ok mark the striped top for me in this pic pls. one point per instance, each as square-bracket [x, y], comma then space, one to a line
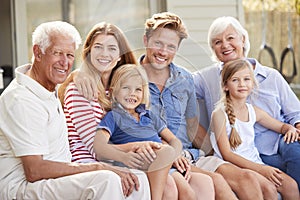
[82, 118]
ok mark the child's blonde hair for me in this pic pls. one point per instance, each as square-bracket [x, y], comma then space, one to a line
[229, 69]
[125, 72]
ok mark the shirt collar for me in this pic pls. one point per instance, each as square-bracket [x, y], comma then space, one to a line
[33, 85]
[174, 73]
[141, 109]
[259, 68]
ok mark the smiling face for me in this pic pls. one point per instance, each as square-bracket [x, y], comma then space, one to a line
[228, 45]
[55, 65]
[161, 47]
[130, 93]
[240, 84]
[105, 53]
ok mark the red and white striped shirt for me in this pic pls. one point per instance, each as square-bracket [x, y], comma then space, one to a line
[82, 118]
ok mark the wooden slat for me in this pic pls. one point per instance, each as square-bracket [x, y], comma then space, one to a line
[185, 3]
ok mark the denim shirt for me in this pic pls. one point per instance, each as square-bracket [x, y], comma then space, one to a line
[176, 103]
[274, 96]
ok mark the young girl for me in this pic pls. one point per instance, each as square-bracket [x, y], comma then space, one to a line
[233, 132]
[130, 122]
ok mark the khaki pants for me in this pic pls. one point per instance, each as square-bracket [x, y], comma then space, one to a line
[98, 185]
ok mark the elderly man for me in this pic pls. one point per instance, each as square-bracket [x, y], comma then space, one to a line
[34, 151]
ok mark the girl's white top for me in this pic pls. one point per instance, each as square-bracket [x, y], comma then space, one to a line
[246, 131]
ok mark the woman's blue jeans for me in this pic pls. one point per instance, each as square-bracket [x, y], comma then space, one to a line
[287, 159]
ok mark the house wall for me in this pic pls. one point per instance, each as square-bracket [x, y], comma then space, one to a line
[197, 16]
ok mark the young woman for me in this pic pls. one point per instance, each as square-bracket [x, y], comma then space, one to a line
[233, 129]
[130, 121]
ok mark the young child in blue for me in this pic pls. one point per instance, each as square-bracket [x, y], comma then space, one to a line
[131, 123]
[233, 130]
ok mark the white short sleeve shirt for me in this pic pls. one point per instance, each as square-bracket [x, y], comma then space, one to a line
[31, 123]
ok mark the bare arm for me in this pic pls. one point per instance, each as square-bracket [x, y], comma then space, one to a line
[180, 163]
[36, 168]
[291, 134]
[202, 140]
[172, 140]
[198, 135]
[107, 151]
[86, 85]
[192, 128]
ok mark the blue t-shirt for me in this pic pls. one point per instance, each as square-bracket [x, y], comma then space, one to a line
[124, 128]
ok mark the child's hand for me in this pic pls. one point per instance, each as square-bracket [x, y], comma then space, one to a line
[183, 166]
[291, 134]
[272, 174]
[147, 150]
[133, 160]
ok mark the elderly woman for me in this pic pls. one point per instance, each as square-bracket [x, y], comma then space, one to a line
[228, 40]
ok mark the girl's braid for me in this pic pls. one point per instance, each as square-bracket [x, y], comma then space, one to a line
[234, 138]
